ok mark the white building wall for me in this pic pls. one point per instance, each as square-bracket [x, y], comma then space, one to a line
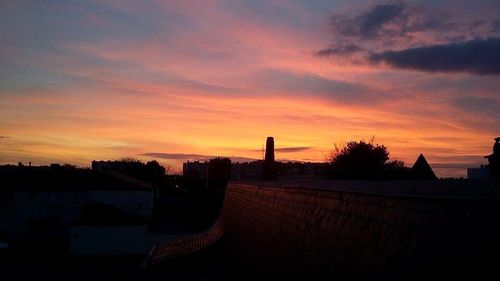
[478, 173]
[135, 202]
[113, 240]
[26, 205]
[65, 206]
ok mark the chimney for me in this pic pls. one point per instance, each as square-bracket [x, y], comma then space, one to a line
[269, 171]
[269, 149]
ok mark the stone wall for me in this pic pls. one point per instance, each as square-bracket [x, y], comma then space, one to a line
[307, 233]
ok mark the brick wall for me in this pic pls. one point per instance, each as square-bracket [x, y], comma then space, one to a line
[304, 233]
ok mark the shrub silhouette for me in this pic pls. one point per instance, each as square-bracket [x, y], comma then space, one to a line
[364, 160]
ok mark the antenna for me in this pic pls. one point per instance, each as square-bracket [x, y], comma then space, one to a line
[262, 152]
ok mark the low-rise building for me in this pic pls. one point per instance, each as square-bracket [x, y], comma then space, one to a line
[483, 172]
[39, 204]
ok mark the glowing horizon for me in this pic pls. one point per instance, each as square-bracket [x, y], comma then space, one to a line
[113, 79]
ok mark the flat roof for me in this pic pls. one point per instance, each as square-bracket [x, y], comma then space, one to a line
[44, 178]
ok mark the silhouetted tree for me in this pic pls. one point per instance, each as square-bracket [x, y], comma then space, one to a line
[364, 160]
[396, 170]
[151, 171]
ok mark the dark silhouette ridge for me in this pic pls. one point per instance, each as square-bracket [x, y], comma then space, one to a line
[421, 170]
[219, 172]
[150, 172]
[65, 178]
[97, 213]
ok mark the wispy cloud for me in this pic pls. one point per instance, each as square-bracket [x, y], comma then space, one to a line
[310, 85]
[290, 149]
[341, 50]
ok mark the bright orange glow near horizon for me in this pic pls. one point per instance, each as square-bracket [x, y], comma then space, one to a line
[183, 81]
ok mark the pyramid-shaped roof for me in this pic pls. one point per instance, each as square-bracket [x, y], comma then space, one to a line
[421, 170]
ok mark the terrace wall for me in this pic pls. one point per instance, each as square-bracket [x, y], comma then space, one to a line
[303, 233]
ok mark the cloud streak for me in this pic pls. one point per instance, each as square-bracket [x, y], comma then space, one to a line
[304, 84]
[339, 50]
[292, 149]
[289, 149]
[479, 56]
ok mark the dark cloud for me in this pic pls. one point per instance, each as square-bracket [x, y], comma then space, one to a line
[478, 56]
[385, 19]
[390, 21]
[400, 25]
[372, 22]
[4, 137]
[193, 157]
[292, 149]
[339, 50]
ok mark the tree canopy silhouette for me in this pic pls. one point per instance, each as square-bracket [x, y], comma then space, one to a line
[364, 160]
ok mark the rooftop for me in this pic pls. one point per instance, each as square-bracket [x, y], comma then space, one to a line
[60, 178]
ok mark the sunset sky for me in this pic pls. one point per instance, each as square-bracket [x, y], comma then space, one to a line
[187, 80]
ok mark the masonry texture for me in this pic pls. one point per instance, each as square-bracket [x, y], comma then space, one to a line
[298, 232]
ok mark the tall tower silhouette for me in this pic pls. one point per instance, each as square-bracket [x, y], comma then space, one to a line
[269, 171]
[269, 149]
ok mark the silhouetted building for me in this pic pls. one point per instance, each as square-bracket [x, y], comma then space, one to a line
[150, 172]
[107, 230]
[483, 172]
[421, 170]
[490, 170]
[301, 170]
[219, 172]
[195, 174]
[270, 169]
[206, 175]
[41, 204]
[494, 159]
[269, 150]
[247, 170]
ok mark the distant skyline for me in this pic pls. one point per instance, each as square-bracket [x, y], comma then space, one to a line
[173, 80]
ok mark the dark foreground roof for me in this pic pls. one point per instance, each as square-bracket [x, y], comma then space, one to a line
[96, 213]
[65, 179]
